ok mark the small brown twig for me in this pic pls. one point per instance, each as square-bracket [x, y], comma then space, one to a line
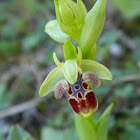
[21, 107]
[127, 78]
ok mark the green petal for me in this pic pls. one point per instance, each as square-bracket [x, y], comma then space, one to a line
[57, 62]
[49, 83]
[54, 31]
[70, 70]
[93, 26]
[69, 51]
[100, 70]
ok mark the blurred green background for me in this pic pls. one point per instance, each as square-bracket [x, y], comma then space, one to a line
[26, 59]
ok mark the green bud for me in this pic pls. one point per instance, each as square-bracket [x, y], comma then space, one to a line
[70, 17]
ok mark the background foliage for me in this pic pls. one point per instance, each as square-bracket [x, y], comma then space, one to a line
[26, 58]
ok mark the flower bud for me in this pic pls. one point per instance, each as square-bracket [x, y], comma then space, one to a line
[70, 16]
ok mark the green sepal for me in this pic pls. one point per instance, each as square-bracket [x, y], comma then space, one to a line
[85, 128]
[103, 123]
[52, 28]
[93, 26]
[100, 70]
[69, 51]
[70, 70]
[49, 83]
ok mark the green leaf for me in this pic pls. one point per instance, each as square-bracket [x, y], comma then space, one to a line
[17, 133]
[136, 55]
[92, 27]
[1, 135]
[100, 70]
[49, 133]
[49, 83]
[53, 30]
[102, 124]
[3, 96]
[25, 138]
[130, 9]
[85, 128]
[70, 70]
[69, 51]
[92, 53]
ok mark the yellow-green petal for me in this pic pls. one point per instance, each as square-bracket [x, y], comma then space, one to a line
[57, 62]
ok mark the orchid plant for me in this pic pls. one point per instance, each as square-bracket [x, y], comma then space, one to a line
[80, 72]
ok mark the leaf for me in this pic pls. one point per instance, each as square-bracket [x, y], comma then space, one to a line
[17, 133]
[130, 9]
[102, 124]
[92, 27]
[69, 51]
[136, 55]
[3, 96]
[92, 53]
[49, 133]
[1, 135]
[53, 30]
[70, 70]
[25, 138]
[49, 83]
[85, 128]
[100, 70]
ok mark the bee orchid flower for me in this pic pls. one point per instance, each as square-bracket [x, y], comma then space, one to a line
[75, 77]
